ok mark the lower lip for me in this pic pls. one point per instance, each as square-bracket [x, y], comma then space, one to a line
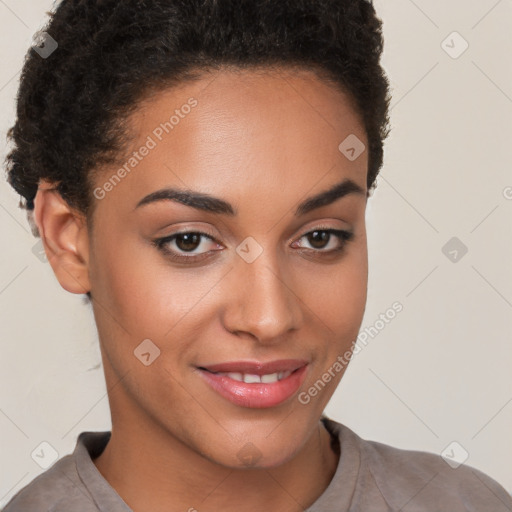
[258, 395]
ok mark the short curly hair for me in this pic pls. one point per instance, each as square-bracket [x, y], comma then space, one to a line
[112, 54]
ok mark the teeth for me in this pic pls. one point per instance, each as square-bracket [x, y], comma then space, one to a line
[272, 377]
[250, 378]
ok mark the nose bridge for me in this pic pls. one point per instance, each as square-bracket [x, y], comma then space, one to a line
[263, 303]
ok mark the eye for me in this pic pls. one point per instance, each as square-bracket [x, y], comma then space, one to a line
[194, 243]
[327, 240]
[192, 246]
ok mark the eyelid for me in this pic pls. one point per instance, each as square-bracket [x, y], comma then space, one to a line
[161, 244]
[343, 235]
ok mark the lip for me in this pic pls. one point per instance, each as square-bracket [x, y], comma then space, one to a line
[256, 395]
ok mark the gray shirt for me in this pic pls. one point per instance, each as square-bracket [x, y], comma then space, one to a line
[370, 477]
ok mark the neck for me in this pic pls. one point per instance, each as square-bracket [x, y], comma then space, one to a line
[157, 472]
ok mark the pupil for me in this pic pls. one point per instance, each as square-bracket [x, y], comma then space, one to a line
[188, 241]
[318, 238]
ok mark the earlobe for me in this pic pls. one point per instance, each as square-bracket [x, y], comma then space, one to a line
[64, 234]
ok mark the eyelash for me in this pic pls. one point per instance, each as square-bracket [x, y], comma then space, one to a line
[161, 243]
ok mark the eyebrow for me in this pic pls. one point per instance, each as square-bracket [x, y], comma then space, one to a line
[216, 205]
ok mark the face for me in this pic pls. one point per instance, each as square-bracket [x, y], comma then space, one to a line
[243, 276]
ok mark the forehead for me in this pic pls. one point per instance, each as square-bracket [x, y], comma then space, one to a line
[235, 131]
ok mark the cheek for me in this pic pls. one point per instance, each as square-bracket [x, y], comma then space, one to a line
[340, 306]
[338, 294]
[143, 295]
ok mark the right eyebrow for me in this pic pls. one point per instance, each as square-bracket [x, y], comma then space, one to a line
[194, 199]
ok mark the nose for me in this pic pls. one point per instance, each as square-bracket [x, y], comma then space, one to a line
[261, 301]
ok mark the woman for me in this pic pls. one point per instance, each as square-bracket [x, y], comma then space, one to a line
[200, 169]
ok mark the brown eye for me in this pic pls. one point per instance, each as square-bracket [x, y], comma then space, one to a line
[326, 240]
[319, 239]
[195, 246]
[198, 245]
[188, 241]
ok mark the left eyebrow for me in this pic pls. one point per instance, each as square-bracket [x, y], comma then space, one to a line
[212, 204]
[329, 196]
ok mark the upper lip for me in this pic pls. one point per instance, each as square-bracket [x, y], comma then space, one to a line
[256, 367]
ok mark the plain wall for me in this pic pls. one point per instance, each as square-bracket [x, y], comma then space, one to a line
[439, 371]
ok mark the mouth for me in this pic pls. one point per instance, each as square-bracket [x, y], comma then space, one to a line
[256, 385]
[251, 378]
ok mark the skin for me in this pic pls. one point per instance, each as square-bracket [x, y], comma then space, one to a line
[263, 141]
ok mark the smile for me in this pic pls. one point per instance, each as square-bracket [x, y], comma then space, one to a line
[256, 385]
[249, 378]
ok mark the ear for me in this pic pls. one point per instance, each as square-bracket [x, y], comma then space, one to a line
[64, 234]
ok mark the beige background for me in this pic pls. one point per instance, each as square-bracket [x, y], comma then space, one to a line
[440, 370]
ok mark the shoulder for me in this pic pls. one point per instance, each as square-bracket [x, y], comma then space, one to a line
[420, 481]
[58, 488]
[426, 480]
